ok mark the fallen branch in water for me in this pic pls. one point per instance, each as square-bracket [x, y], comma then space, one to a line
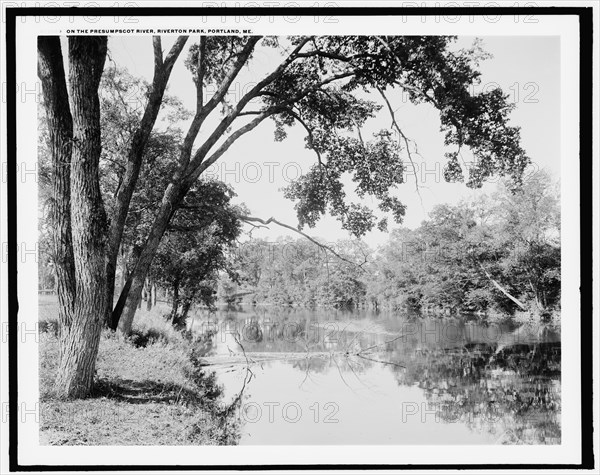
[379, 361]
[381, 344]
[258, 358]
[229, 361]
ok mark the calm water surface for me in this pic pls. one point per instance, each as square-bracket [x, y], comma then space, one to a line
[340, 377]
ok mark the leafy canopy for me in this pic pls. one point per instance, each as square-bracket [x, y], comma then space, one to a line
[323, 85]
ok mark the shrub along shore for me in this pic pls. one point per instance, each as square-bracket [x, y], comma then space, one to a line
[150, 390]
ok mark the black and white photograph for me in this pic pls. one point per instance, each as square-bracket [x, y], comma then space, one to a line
[314, 237]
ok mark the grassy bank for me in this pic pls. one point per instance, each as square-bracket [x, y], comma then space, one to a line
[150, 390]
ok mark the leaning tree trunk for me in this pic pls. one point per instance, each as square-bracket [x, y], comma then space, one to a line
[88, 220]
[139, 140]
[122, 316]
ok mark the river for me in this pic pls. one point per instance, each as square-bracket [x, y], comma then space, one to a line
[358, 377]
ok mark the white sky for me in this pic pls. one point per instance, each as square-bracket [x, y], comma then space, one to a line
[257, 167]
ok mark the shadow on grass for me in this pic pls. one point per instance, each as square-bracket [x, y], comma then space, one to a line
[146, 392]
[143, 392]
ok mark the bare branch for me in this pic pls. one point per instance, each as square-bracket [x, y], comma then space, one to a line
[399, 130]
[230, 76]
[252, 219]
[310, 135]
[380, 361]
[360, 137]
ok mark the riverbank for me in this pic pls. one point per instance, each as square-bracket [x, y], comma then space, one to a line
[531, 316]
[154, 393]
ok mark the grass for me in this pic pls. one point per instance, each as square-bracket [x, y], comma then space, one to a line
[150, 390]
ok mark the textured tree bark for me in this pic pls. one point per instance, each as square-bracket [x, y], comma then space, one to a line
[60, 127]
[88, 220]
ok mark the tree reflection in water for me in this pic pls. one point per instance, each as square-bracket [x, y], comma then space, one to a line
[507, 387]
[514, 393]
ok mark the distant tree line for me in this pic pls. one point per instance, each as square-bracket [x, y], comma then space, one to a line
[497, 253]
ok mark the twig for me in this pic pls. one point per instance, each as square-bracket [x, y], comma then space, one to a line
[252, 219]
[399, 130]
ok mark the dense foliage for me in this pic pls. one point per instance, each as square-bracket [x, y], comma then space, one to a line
[196, 248]
[458, 260]
[464, 254]
[295, 272]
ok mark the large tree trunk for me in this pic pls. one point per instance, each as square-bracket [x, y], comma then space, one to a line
[60, 128]
[88, 220]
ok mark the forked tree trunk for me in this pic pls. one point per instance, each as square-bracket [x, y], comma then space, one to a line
[122, 315]
[79, 344]
[139, 140]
